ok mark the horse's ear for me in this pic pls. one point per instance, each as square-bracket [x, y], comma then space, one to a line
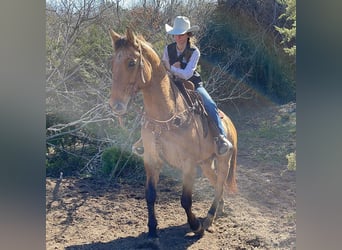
[115, 36]
[131, 36]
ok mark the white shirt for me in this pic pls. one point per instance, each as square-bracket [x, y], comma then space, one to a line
[190, 67]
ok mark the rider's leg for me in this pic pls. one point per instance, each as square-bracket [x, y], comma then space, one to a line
[223, 145]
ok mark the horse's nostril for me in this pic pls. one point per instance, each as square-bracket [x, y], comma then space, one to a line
[118, 107]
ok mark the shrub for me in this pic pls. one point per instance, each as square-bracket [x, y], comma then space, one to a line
[119, 163]
[291, 161]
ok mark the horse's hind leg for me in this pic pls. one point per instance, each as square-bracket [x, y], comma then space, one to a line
[209, 172]
[221, 176]
[186, 201]
[220, 209]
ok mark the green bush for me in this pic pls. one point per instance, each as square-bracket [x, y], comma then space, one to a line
[68, 155]
[291, 161]
[63, 162]
[119, 163]
[262, 62]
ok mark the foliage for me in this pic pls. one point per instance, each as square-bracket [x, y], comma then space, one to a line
[242, 34]
[291, 161]
[288, 30]
[68, 155]
[119, 163]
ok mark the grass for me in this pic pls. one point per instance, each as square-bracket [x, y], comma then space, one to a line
[271, 140]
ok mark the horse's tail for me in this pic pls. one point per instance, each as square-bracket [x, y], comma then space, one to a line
[231, 185]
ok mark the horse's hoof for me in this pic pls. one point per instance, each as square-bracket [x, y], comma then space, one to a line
[208, 221]
[192, 235]
[211, 229]
[199, 231]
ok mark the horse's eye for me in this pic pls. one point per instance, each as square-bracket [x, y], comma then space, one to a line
[132, 63]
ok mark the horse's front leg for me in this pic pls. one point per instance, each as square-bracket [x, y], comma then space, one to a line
[186, 201]
[152, 177]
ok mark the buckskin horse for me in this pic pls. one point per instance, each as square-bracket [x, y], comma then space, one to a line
[171, 132]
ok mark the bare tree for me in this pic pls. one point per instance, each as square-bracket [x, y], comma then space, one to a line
[78, 70]
[78, 76]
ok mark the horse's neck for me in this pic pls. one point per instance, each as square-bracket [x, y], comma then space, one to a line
[160, 99]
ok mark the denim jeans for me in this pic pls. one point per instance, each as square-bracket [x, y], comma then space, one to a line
[211, 108]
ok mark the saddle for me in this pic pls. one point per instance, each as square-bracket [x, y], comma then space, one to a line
[194, 100]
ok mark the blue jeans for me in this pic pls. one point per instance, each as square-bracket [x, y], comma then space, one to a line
[211, 108]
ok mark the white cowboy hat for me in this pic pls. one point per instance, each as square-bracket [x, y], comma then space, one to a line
[181, 25]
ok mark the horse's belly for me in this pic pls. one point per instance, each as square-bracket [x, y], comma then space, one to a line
[178, 151]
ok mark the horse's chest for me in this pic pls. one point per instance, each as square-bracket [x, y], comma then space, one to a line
[176, 147]
[174, 141]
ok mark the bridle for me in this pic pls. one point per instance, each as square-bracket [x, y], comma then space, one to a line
[141, 64]
[134, 85]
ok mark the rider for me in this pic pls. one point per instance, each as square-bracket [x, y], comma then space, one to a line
[181, 58]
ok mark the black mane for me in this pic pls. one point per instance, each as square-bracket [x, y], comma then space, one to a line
[122, 43]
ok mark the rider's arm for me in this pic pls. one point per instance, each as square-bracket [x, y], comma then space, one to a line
[190, 67]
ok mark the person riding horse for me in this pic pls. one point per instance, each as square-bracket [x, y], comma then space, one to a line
[181, 58]
[169, 130]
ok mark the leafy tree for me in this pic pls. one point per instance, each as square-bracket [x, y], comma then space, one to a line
[288, 30]
[242, 35]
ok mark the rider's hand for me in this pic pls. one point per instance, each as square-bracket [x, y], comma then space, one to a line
[177, 65]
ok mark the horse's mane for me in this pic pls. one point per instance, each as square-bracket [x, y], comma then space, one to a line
[123, 42]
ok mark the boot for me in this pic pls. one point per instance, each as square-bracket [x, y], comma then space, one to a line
[223, 145]
[138, 148]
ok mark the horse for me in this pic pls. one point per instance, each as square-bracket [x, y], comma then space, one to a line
[170, 130]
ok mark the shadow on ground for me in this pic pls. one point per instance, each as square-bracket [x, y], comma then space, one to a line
[174, 237]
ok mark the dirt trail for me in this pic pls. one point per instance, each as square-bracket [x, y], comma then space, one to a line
[91, 214]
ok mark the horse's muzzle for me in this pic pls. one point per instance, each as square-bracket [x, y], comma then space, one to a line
[118, 108]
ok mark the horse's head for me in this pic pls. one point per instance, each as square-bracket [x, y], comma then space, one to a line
[130, 70]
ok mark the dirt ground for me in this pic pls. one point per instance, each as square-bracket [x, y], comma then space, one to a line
[91, 213]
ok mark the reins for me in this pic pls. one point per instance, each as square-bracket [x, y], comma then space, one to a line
[175, 121]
